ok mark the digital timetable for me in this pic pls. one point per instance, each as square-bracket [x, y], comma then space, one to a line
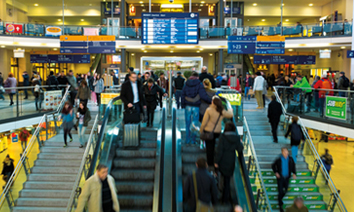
[170, 28]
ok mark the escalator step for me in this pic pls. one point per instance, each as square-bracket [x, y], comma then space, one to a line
[141, 153]
[135, 201]
[127, 174]
[135, 163]
[128, 187]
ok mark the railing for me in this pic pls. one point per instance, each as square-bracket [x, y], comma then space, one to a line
[331, 194]
[31, 106]
[84, 166]
[47, 127]
[262, 200]
[329, 29]
[306, 103]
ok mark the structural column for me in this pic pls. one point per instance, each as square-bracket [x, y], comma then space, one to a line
[124, 61]
[221, 61]
[5, 61]
[122, 13]
[352, 60]
[3, 10]
[221, 14]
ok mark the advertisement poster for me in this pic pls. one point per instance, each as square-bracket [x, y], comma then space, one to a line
[233, 98]
[14, 28]
[53, 31]
[1, 27]
[52, 99]
[91, 31]
[106, 97]
[336, 107]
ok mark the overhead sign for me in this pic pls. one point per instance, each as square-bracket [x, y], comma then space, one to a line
[170, 28]
[104, 44]
[270, 45]
[257, 59]
[336, 107]
[73, 44]
[326, 53]
[14, 28]
[20, 53]
[282, 59]
[53, 31]
[350, 54]
[60, 58]
[241, 44]
[39, 58]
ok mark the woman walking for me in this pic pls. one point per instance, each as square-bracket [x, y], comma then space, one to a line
[67, 115]
[99, 87]
[38, 92]
[225, 157]
[83, 118]
[11, 82]
[211, 125]
[84, 92]
[8, 168]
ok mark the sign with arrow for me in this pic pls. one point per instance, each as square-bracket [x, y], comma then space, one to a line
[14, 28]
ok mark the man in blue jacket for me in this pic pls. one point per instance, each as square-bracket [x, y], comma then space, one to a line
[192, 89]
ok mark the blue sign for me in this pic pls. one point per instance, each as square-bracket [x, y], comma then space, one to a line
[170, 28]
[81, 58]
[241, 44]
[236, 10]
[276, 59]
[257, 59]
[306, 60]
[280, 59]
[271, 44]
[270, 51]
[101, 47]
[54, 58]
[39, 58]
[73, 47]
[350, 54]
[270, 47]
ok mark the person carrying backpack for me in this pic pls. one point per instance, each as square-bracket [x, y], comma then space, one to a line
[296, 136]
[324, 83]
[343, 84]
[24, 135]
[327, 160]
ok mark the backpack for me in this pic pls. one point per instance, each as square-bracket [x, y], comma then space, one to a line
[24, 135]
[326, 84]
[346, 82]
[328, 159]
[296, 133]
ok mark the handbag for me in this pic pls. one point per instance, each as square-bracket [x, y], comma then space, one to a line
[201, 206]
[209, 135]
[131, 115]
[250, 92]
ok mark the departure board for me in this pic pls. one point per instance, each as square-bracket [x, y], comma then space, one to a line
[170, 28]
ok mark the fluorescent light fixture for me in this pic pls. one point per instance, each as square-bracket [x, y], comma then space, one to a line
[342, 47]
[203, 2]
[210, 54]
[145, 51]
[133, 54]
[2, 46]
[171, 51]
[141, 2]
[142, 5]
[90, 4]
[55, 49]
[310, 4]
[202, 5]
[263, 20]
[286, 19]
[283, 5]
[251, 58]
[199, 9]
[198, 51]
[254, 4]
[171, 5]
[143, 10]
[290, 50]
[36, 5]
[82, 20]
[185, 47]
[59, 20]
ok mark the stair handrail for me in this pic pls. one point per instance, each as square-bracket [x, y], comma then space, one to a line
[253, 152]
[82, 166]
[28, 149]
[316, 155]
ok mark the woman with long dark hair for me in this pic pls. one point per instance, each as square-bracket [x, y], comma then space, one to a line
[67, 115]
[211, 124]
[83, 118]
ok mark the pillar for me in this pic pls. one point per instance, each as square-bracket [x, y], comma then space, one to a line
[122, 13]
[352, 59]
[3, 10]
[221, 61]
[5, 61]
[221, 13]
[124, 61]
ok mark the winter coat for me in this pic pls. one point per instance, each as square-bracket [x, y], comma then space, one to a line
[192, 88]
[11, 82]
[277, 168]
[210, 118]
[127, 95]
[8, 168]
[293, 141]
[204, 105]
[25, 80]
[205, 75]
[99, 85]
[179, 83]
[52, 82]
[92, 195]
[87, 117]
[274, 111]
[62, 80]
[151, 95]
[83, 93]
[258, 83]
[225, 156]
[73, 83]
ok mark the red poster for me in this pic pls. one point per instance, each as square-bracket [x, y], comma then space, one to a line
[14, 28]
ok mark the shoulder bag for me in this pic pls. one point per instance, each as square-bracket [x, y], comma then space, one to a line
[200, 206]
[209, 135]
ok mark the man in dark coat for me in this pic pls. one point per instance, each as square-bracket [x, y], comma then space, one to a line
[132, 93]
[25, 83]
[283, 167]
[52, 82]
[131, 70]
[205, 74]
[274, 113]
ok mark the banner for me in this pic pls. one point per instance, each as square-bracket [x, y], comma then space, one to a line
[336, 107]
[52, 99]
[53, 31]
[91, 31]
[106, 97]
[14, 28]
[233, 98]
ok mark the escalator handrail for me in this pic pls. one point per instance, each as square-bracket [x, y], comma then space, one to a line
[251, 145]
[174, 161]
[313, 89]
[101, 136]
[82, 166]
[317, 156]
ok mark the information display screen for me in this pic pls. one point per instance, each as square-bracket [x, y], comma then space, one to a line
[170, 28]
[241, 44]
[61, 58]
[280, 59]
[39, 58]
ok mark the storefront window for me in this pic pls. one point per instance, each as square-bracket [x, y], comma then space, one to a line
[167, 63]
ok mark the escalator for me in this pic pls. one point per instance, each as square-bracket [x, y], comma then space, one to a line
[96, 65]
[184, 163]
[247, 64]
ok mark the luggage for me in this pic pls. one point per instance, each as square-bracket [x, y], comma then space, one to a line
[131, 136]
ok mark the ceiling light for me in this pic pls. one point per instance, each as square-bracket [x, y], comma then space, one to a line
[283, 5]
[203, 2]
[104, 0]
[141, 2]
[199, 9]
[201, 49]
[251, 58]
[171, 51]
[145, 51]
[142, 5]
[55, 49]
[290, 50]
[343, 47]
[198, 51]
[82, 20]
[263, 20]
[93, 57]
[36, 5]
[171, 5]
[59, 20]
[133, 54]
[286, 19]
[310, 4]
[2, 46]
[210, 54]
[202, 5]
[254, 4]
[143, 10]
[90, 4]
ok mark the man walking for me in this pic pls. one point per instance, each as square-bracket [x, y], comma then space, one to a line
[163, 83]
[52, 82]
[324, 83]
[343, 84]
[274, 113]
[73, 87]
[205, 74]
[200, 186]
[99, 192]
[248, 85]
[25, 83]
[178, 84]
[63, 81]
[258, 89]
[132, 93]
[283, 166]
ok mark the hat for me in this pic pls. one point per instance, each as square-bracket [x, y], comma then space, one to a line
[179, 72]
[248, 73]
[342, 72]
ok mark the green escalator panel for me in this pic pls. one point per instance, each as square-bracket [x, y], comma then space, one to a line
[316, 197]
[295, 189]
[271, 173]
[274, 181]
[318, 206]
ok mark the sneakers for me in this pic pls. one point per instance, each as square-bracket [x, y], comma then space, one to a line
[65, 145]
[81, 146]
[71, 140]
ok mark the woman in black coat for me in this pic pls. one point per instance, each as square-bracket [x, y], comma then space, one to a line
[8, 168]
[150, 90]
[225, 157]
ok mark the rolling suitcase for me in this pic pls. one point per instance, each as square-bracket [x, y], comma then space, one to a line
[131, 135]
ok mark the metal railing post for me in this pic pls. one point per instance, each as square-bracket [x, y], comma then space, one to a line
[249, 163]
[24, 165]
[17, 105]
[55, 124]
[46, 128]
[10, 200]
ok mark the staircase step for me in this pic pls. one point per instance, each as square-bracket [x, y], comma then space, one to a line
[311, 205]
[129, 201]
[128, 174]
[269, 172]
[58, 163]
[53, 177]
[35, 193]
[267, 165]
[274, 181]
[192, 149]
[140, 153]
[55, 170]
[127, 187]
[135, 163]
[192, 158]
[61, 143]
[68, 150]
[292, 195]
[39, 209]
[42, 202]
[49, 185]
[60, 156]
[294, 188]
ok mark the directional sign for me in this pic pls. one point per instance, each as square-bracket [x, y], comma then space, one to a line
[283, 59]
[270, 45]
[350, 54]
[241, 44]
[73, 44]
[257, 59]
[104, 44]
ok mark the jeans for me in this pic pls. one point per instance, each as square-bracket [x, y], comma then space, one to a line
[283, 184]
[11, 95]
[178, 96]
[322, 102]
[38, 102]
[24, 145]
[297, 97]
[246, 92]
[98, 98]
[84, 101]
[294, 150]
[72, 97]
[66, 133]
[274, 126]
[309, 100]
[317, 99]
[81, 134]
[226, 190]
[191, 116]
